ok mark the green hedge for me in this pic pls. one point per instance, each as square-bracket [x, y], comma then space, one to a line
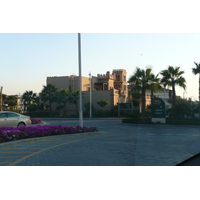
[193, 121]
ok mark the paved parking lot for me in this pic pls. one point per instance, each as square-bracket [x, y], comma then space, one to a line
[116, 144]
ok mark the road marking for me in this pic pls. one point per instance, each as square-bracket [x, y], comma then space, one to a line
[10, 156]
[21, 144]
[32, 142]
[51, 147]
[32, 145]
[17, 152]
[25, 147]
[35, 153]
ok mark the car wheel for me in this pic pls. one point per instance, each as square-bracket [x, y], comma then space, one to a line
[21, 124]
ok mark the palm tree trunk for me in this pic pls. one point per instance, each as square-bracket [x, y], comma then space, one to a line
[151, 100]
[143, 104]
[151, 96]
[50, 106]
[76, 106]
[65, 108]
[174, 95]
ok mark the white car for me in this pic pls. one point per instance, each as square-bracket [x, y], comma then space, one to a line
[13, 119]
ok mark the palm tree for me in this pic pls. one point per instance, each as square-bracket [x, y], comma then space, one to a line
[142, 80]
[63, 97]
[196, 71]
[154, 85]
[28, 98]
[11, 101]
[48, 94]
[136, 95]
[103, 103]
[74, 97]
[172, 77]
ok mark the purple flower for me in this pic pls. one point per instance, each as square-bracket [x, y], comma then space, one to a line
[14, 133]
[36, 121]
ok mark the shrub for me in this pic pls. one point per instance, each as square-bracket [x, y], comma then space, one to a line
[36, 121]
[16, 133]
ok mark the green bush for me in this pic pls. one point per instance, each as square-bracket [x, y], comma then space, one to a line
[134, 118]
[16, 111]
[192, 121]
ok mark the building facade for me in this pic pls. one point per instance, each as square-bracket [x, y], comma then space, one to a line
[110, 87]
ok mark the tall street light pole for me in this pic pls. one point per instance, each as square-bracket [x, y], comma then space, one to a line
[80, 82]
[90, 95]
[1, 104]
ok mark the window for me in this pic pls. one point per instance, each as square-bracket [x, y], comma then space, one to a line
[117, 77]
[12, 115]
[3, 115]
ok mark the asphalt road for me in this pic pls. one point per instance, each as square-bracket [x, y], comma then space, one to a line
[116, 144]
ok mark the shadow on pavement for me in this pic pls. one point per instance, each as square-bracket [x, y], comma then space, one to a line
[193, 161]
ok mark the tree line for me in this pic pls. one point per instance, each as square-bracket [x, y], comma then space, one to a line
[31, 102]
[50, 94]
[144, 80]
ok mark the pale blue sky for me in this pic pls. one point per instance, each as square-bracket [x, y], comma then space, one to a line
[26, 59]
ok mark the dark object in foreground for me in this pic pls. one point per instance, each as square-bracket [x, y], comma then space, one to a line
[193, 161]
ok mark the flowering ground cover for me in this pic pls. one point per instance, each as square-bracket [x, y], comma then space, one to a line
[36, 121]
[17, 133]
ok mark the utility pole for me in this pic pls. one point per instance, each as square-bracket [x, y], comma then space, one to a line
[90, 95]
[80, 82]
[1, 101]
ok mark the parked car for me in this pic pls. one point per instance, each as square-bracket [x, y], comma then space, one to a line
[13, 119]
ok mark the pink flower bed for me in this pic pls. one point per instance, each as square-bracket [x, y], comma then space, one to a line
[36, 121]
[17, 133]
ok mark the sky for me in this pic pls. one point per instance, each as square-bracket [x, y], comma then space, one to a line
[39, 39]
[27, 59]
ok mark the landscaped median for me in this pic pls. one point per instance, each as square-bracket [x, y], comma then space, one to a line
[17, 133]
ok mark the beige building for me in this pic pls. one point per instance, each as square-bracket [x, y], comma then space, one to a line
[69, 82]
[110, 87]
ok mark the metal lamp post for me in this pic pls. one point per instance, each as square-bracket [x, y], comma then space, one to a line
[1, 101]
[80, 83]
[90, 95]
